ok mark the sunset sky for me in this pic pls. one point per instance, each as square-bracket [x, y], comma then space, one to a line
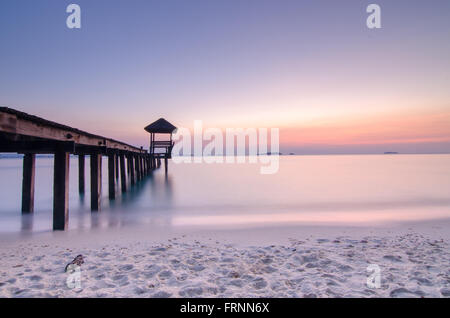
[311, 68]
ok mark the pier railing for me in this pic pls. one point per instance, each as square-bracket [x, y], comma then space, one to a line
[30, 135]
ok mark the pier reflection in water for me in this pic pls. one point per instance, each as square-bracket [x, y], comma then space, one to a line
[147, 201]
[329, 190]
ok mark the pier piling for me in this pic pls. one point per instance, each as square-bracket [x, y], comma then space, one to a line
[61, 190]
[29, 165]
[123, 177]
[138, 168]
[96, 181]
[81, 174]
[111, 176]
[132, 169]
[116, 159]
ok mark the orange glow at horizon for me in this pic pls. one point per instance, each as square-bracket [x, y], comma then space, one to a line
[349, 128]
[378, 129]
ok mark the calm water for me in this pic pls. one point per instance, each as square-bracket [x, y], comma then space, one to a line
[307, 189]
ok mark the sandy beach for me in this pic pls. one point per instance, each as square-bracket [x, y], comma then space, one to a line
[224, 149]
[297, 261]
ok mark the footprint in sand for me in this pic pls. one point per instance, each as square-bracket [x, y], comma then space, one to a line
[126, 267]
[445, 292]
[259, 283]
[119, 277]
[307, 258]
[278, 287]
[103, 284]
[191, 292]
[393, 258]
[134, 274]
[161, 294]
[45, 270]
[323, 263]
[237, 282]
[19, 292]
[423, 281]
[165, 274]
[345, 268]
[403, 292]
[331, 282]
[182, 277]
[139, 291]
[191, 261]
[37, 286]
[99, 275]
[197, 268]
[212, 290]
[151, 270]
[267, 260]
[269, 269]
[35, 278]
[103, 255]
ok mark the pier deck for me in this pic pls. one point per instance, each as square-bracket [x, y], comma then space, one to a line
[30, 135]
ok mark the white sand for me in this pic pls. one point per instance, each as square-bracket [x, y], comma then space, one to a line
[297, 261]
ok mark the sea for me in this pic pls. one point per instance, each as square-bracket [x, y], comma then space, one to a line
[326, 189]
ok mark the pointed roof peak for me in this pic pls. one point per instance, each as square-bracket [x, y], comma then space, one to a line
[160, 126]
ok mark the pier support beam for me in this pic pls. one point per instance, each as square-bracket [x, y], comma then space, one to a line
[81, 174]
[139, 159]
[96, 181]
[144, 170]
[166, 165]
[138, 168]
[111, 176]
[145, 165]
[116, 163]
[29, 165]
[123, 177]
[132, 169]
[61, 191]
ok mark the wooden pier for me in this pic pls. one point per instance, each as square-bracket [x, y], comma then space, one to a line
[30, 135]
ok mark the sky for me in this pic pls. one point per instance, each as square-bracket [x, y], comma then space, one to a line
[310, 68]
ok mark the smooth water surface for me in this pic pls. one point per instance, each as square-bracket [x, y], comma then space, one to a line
[344, 189]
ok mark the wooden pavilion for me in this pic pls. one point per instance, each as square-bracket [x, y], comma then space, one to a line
[161, 143]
